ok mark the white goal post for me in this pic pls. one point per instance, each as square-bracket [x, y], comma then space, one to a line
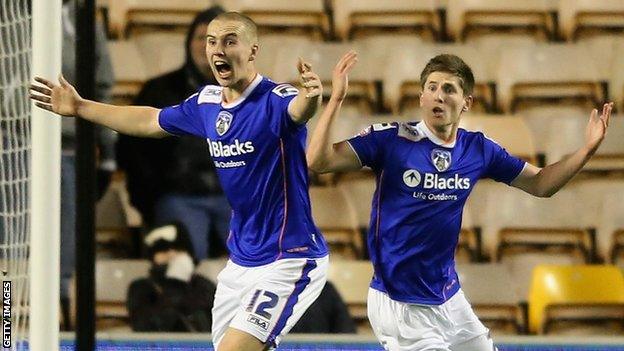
[45, 184]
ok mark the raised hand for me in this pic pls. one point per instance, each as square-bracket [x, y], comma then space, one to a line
[597, 127]
[340, 76]
[62, 99]
[309, 80]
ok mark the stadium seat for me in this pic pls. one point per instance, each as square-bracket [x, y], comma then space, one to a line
[612, 223]
[161, 51]
[112, 280]
[354, 17]
[306, 18]
[335, 216]
[575, 293]
[129, 70]
[469, 242]
[464, 16]
[523, 224]
[616, 81]
[605, 194]
[116, 222]
[323, 58]
[402, 86]
[360, 193]
[352, 279]
[499, 128]
[491, 291]
[538, 73]
[127, 15]
[568, 135]
[210, 269]
[578, 17]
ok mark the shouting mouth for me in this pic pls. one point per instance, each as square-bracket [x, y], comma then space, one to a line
[224, 69]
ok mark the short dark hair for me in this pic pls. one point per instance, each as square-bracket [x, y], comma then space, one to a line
[248, 23]
[450, 64]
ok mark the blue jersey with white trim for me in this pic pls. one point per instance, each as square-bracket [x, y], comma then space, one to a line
[259, 154]
[422, 186]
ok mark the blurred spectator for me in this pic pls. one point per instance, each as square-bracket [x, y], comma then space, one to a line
[106, 139]
[174, 179]
[327, 315]
[172, 298]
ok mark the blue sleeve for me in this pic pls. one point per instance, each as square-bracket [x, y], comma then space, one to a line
[369, 144]
[281, 122]
[183, 119]
[500, 165]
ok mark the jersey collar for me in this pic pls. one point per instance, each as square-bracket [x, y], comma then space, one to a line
[422, 127]
[245, 94]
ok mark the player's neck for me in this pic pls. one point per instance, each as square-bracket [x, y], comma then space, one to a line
[446, 133]
[232, 93]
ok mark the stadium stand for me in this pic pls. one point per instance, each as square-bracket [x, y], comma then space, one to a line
[589, 17]
[352, 279]
[129, 70]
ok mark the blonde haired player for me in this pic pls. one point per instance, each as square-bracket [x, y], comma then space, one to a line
[425, 171]
[256, 135]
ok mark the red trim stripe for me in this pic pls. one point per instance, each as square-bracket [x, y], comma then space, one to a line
[377, 225]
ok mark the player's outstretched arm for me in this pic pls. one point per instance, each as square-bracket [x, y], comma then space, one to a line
[546, 181]
[307, 102]
[64, 100]
[321, 155]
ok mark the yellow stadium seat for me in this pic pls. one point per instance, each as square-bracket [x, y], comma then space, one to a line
[352, 17]
[178, 14]
[537, 73]
[578, 17]
[305, 18]
[498, 128]
[578, 292]
[528, 15]
[352, 280]
[492, 293]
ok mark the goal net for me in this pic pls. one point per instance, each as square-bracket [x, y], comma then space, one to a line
[15, 150]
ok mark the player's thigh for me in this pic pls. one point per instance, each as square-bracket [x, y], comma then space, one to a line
[467, 325]
[480, 343]
[399, 327]
[237, 340]
[277, 301]
[230, 287]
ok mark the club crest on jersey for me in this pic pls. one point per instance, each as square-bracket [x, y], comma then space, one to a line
[224, 120]
[441, 159]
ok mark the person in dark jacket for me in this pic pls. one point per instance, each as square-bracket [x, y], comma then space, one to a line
[172, 298]
[174, 179]
[327, 315]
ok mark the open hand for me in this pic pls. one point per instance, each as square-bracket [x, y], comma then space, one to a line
[62, 99]
[309, 80]
[340, 76]
[597, 127]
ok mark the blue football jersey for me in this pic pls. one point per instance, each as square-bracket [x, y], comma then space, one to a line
[259, 154]
[422, 186]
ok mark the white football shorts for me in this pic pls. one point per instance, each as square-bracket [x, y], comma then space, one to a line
[266, 301]
[401, 326]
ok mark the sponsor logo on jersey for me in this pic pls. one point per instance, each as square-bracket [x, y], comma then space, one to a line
[210, 94]
[224, 120]
[441, 159]
[237, 148]
[255, 320]
[412, 178]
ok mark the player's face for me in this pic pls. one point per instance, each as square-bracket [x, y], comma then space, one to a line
[230, 52]
[442, 99]
[198, 49]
